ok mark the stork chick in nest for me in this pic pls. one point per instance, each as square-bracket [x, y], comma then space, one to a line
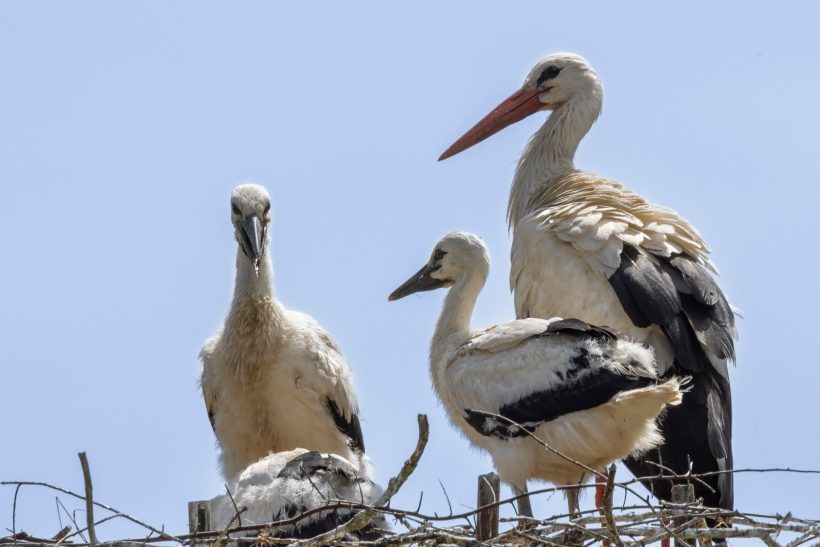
[583, 390]
[285, 485]
[272, 378]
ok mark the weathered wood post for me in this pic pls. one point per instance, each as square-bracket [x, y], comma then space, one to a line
[199, 517]
[681, 495]
[489, 488]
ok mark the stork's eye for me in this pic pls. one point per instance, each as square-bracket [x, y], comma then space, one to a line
[548, 74]
[439, 254]
[267, 209]
[235, 209]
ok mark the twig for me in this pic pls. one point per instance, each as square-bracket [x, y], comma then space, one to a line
[14, 514]
[360, 520]
[81, 530]
[70, 516]
[60, 536]
[447, 497]
[162, 534]
[610, 521]
[89, 499]
[237, 513]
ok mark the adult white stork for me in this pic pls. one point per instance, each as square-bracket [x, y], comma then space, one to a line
[286, 485]
[585, 391]
[272, 378]
[586, 247]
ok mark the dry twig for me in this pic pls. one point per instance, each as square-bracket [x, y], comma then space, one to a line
[89, 499]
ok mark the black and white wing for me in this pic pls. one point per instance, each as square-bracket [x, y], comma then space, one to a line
[567, 367]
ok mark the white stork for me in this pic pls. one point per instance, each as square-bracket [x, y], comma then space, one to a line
[586, 247]
[272, 378]
[287, 484]
[582, 389]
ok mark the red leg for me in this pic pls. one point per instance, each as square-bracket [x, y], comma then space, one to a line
[665, 542]
[600, 489]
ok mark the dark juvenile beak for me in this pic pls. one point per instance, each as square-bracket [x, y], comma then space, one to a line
[252, 234]
[518, 106]
[421, 281]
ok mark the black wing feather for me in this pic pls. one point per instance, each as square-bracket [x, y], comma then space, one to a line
[576, 327]
[311, 462]
[590, 390]
[680, 296]
[651, 288]
[712, 325]
[350, 427]
[702, 285]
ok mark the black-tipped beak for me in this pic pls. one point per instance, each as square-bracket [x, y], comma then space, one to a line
[421, 281]
[252, 237]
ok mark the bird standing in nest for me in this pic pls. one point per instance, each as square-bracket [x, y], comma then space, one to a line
[272, 378]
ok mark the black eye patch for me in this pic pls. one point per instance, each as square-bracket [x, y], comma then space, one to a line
[548, 74]
[439, 254]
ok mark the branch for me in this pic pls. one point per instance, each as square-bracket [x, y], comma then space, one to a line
[89, 499]
[610, 521]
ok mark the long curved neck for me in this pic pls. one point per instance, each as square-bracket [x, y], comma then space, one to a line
[453, 326]
[550, 153]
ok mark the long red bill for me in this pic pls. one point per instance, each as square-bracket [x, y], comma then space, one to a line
[518, 106]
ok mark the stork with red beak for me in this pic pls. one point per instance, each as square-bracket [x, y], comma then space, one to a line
[586, 247]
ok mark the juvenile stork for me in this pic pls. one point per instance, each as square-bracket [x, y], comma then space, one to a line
[285, 485]
[582, 389]
[272, 378]
[586, 247]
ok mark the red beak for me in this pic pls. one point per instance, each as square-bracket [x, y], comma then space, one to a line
[518, 106]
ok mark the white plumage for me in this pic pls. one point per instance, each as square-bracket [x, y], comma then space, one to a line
[581, 389]
[586, 247]
[287, 484]
[272, 378]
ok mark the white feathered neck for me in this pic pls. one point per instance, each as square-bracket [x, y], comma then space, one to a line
[550, 151]
[254, 322]
[453, 326]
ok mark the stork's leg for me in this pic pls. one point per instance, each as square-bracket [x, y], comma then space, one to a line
[524, 506]
[600, 491]
[573, 536]
[572, 502]
[666, 542]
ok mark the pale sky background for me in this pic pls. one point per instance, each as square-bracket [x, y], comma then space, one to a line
[125, 125]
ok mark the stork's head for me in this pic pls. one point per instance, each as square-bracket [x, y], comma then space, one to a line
[555, 80]
[250, 214]
[455, 256]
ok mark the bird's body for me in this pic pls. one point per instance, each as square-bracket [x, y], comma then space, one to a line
[583, 390]
[285, 485]
[273, 379]
[586, 247]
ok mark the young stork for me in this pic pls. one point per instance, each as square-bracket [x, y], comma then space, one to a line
[586, 247]
[272, 378]
[286, 484]
[583, 390]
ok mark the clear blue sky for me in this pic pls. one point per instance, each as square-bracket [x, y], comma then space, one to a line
[124, 126]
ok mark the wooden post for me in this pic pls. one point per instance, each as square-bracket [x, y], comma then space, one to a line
[199, 517]
[489, 488]
[681, 494]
